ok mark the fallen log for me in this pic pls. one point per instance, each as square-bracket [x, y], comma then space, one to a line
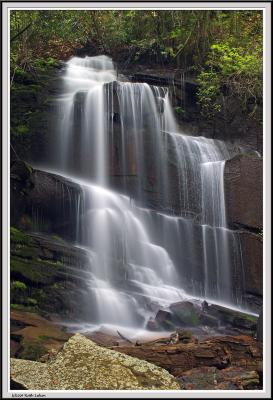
[220, 352]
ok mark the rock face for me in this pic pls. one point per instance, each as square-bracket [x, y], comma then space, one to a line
[252, 252]
[244, 208]
[32, 116]
[43, 201]
[83, 365]
[244, 191]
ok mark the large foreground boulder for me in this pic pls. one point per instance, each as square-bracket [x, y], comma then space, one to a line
[83, 365]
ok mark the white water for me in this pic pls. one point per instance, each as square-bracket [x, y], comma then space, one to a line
[140, 259]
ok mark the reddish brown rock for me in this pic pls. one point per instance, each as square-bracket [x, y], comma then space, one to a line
[220, 352]
[252, 253]
[35, 336]
[244, 191]
[211, 378]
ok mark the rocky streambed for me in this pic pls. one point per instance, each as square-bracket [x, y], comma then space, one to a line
[101, 361]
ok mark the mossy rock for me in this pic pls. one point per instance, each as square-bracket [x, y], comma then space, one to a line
[23, 307]
[32, 272]
[27, 252]
[19, 237]
[185, 313]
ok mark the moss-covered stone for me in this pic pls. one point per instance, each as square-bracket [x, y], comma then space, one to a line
[19, 237]
[51, 271]
[185, 313]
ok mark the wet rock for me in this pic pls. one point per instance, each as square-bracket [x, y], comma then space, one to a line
[20, 170]
[20, 186]
[229, 317]
[209, 320]
[260, 327]
[164, 320]
[210, 378]
[83, 365]
[184, 336]
[185, 313]
[244, 186]
[41, 196]
[152, 325]
[53, 199]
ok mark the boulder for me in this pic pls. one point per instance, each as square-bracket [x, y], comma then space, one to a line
[185, 313]
[244, 191]
[164, 320]
[83, 365]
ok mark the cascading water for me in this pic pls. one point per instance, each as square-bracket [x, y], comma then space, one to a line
[167, 238]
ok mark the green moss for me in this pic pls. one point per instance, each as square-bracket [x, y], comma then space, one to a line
[25, 252]
[18, 292]
[18, 285]
[22, 307]
[179, 110]
[57, 285]
[58, 239]
[31, 271]
[19, 237]
[32, 302]
[22, 130]
[52, 263]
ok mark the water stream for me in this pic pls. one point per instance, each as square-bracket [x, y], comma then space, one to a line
[152, 207]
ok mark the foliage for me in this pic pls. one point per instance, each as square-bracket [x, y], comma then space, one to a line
[22, 130]
[18, 292]
[17, 285]
[234, 71]
[208, 93]
[222, 47]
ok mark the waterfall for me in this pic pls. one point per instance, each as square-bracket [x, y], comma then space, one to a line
[152, 209]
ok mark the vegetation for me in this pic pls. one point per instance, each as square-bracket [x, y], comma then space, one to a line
[223, 49]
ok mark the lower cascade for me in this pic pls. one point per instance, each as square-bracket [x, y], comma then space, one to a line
[151, 212]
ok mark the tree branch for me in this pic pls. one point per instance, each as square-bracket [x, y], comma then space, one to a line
[20, 33]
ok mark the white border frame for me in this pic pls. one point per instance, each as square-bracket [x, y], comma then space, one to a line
[266, 392]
